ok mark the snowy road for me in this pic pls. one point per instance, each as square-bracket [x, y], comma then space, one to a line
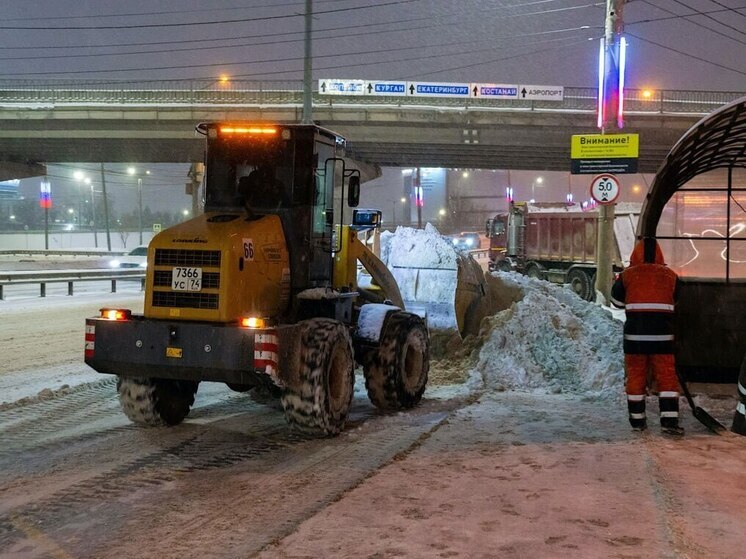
[492, 473]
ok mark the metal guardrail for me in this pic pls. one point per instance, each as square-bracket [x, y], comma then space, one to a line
[242, 92]
[72, 252]
[69, 277]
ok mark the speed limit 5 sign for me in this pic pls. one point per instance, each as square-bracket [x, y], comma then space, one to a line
[605, 189]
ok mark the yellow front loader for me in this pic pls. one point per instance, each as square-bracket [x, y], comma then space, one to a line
[261, 291]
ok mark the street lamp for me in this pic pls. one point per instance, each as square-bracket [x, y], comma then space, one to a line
[133, 171]
[539, 181]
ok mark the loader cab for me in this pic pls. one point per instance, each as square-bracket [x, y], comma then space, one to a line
[293, 171]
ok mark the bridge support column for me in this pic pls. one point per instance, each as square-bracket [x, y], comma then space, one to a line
[196, 174]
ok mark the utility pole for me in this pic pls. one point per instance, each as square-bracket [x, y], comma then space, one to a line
[614, 26]
[106, 208]
[139, 206]
[418, 196]
[93, 216]
[307, 93]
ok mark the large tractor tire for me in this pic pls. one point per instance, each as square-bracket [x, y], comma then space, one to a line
[581, 283]
[321, 400]
[396, 373]
[152, 401]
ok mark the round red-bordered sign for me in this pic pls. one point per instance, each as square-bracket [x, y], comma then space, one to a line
[605, 189]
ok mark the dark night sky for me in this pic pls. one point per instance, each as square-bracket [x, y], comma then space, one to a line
[674, 44]
[690, 44]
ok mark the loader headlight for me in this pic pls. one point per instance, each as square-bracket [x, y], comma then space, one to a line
[116, 314]
[253, 322]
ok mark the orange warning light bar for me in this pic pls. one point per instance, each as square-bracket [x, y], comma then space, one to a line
[253, 322]
[257, 130]
[116, 314]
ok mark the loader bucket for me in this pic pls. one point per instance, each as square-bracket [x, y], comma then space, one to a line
[472, 299]
[437, 279]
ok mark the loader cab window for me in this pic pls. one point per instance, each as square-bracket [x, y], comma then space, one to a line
[322, 211]
[253, 172]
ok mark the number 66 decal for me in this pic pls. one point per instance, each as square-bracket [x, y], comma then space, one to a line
[248, 249]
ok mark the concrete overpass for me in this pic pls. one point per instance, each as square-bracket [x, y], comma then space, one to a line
[93, 122]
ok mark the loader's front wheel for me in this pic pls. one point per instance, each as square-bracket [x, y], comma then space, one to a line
[396, 374]
[321, 400]
[152, 401]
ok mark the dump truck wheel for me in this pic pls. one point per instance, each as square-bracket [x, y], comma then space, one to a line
[396, 374]
[535, 270]
[321, 399]
[580, 282]
[149, 401]
[504, 266]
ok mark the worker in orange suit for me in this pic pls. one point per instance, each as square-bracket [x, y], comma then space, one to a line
[647, 290]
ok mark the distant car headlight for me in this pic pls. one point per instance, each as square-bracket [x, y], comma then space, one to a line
[469, 242]
[115, 264]
[455, 241]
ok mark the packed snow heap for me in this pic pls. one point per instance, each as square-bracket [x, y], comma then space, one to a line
[548, 338]
[541, 336]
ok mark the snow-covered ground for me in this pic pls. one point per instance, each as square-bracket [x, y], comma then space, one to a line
[528, 453]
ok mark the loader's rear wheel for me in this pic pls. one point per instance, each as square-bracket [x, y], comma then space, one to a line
[322, 398]
[581, 283]
[396, 374]
[152, 401]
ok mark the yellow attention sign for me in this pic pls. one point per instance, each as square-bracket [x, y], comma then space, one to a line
[604, 146]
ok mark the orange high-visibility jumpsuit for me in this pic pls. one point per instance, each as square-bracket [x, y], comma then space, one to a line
[647, 291]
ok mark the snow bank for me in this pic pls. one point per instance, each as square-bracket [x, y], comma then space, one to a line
[549, 339]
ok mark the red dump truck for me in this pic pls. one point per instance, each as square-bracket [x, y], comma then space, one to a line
[557, 242]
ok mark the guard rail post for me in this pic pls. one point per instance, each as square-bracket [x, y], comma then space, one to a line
[42, 289]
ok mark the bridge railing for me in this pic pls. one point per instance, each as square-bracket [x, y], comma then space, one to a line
[242, 92]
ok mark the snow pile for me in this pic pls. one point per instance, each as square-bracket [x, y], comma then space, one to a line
[423, 262]
[549, 339]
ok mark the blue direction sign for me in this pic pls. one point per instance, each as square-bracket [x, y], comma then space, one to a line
[341, 87]
[494, 91]
[423, 89]
[385, 88]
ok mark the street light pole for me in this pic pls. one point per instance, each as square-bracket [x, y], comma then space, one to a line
[610, 122]
[307, 66]
[106, 208]
[139, 206]
[93, 215]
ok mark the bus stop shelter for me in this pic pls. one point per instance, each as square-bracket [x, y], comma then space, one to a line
[696, 208]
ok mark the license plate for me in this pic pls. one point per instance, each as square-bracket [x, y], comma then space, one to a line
[173, 352]
[186, 279]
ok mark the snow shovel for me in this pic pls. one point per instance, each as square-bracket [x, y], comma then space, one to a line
[702, 416]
